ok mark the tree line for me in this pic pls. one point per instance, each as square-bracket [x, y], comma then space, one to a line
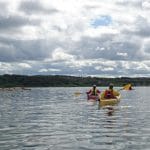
[67, 81]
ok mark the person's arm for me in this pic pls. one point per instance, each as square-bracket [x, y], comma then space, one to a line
[88, 92]
[98, 91]
[116, 93]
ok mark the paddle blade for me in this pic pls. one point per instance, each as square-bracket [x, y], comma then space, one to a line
[77, 93]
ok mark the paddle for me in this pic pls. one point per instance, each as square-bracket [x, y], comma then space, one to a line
[77, 93]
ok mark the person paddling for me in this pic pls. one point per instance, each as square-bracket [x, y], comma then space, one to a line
[110, 92]
[94, 91]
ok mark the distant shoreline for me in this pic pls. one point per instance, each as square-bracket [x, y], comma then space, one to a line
[24, 81]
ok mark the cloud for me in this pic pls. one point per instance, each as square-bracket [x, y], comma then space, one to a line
[19, 50]
[24, 65]
[35, 7]
[146, 4]
[59, 55]
[7, 22]
[132, 4]
[122, 54]
[49, 70]
[140, 28]
[97, 38]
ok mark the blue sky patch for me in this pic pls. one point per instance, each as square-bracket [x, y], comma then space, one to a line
[102, 21]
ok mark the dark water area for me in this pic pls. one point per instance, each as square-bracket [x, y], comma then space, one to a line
[56, 119]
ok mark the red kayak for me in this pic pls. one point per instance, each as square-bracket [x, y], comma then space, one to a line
[92, 97]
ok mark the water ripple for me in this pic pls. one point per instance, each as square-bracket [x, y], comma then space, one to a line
[43, 119]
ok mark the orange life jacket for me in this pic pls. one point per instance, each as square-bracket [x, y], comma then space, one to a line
[109, 94]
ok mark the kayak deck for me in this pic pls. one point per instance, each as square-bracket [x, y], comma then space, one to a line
[111, 101]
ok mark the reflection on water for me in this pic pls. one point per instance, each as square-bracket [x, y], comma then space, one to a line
[110, 110]
[56, 119]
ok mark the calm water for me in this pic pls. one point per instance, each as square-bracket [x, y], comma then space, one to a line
[56, 119]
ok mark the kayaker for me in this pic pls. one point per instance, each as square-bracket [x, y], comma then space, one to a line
[93, 91]
[127, 87]
[110, 92]
[130, 88]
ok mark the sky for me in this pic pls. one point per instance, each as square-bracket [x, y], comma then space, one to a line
[102, 38]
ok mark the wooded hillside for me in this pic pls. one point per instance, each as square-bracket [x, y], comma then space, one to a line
[66, 81]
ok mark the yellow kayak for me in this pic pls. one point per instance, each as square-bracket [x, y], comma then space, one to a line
[111, 101]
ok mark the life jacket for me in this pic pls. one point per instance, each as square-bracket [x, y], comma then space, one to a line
[109, 94]
[94, 92]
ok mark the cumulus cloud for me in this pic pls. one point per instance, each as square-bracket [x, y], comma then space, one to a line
[98, 38]
[59, 55]
[24, 65]
[7, 22]
[35, 7]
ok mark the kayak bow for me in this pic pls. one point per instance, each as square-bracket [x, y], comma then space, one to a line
[111, 101]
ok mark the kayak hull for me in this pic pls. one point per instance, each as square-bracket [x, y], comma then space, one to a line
[112, 101]
[92, 97]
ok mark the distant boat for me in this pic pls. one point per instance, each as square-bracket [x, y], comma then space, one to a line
[128, 87]
[25, 88]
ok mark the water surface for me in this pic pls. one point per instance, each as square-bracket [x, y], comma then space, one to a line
[56, 119]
